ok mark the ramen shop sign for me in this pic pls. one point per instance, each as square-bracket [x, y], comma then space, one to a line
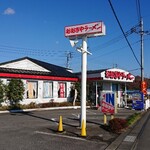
[88, 29]
[117, 75]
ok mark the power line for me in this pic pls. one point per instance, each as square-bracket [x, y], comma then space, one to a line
[112, 51]
[123, 32]
[29, 51]
[116, 39]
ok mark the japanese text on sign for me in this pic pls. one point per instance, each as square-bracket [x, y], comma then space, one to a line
[118, 75]
[91, 28]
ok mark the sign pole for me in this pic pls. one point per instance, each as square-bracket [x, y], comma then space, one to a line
[125, 96]
[96, 94]
[84, 31]
[83, 80]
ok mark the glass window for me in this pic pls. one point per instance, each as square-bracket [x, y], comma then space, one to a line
[61, 90]
[32, 89]
[47, 89]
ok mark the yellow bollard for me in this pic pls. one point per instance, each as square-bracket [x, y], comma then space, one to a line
[105, 119]
[83, 129]
[60, 125]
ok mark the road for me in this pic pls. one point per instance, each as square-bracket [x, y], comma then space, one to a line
[143, 142]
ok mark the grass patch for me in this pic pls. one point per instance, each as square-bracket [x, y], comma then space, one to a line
[133, 118]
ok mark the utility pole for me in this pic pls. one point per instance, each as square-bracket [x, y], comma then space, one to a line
[69, 56]
[142, 33]
[142, 49]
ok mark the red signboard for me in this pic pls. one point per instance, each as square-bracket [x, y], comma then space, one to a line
[144, 87]
[89, 29]
[107, 108]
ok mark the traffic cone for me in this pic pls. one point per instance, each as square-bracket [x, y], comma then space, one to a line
[60, 125]
[83, 129]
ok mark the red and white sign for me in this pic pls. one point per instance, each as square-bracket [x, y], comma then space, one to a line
[62, 92]
[108, 103]
[117, 75]
[89, 29]
[107, 108]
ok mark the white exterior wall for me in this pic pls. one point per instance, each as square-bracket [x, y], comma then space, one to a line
[24, 64]
[55, 90]
[107, 87]
[40, 98]
[118, 98]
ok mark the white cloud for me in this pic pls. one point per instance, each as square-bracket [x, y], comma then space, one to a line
[9, 11]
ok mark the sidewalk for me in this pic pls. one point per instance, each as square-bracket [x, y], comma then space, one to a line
[128, 139]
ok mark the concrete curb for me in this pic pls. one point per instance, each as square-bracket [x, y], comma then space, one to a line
[40, 109]
[128, 139]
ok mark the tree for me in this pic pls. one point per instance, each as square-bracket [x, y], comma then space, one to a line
[2, 91]
[15, 91]
[136, 85]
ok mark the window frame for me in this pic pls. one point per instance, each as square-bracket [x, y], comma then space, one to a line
[35, 90]
[50, 82]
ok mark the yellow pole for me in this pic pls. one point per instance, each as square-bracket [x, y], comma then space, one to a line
[105, 119]
[60, 125]
[83, 129]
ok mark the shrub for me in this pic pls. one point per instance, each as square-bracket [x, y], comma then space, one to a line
[65, 104]
[15, 91]
[32, 105]
[117, 124]
[2, 92]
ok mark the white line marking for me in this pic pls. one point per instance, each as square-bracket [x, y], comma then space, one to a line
[58, 135]
[78, 115]
[53, 119]
[129, 138]
[91, 112]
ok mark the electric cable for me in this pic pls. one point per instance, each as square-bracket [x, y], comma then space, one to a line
[123, 32]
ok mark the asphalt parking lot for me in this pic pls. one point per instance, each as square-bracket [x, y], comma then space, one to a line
[38, 130]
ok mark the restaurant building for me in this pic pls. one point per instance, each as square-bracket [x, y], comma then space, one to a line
[107, 80]
[43, 82]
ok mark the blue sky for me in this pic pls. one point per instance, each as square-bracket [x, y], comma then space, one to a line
[35, 28]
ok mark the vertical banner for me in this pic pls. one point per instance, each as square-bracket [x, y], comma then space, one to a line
[62, 92]
[108, 102]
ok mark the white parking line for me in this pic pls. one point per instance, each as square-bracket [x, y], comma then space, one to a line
[60, 135]
[91, 112]
[78, 115]
[53, 119]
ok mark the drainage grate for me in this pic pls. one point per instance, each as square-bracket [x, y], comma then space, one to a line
[129, 138]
